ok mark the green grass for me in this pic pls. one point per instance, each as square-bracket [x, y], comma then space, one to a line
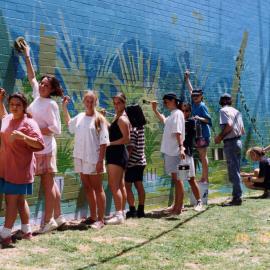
[219, 238]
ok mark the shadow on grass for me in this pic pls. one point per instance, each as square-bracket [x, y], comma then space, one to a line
[124, 251]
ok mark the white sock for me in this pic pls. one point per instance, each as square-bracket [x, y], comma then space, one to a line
[26, 228]
[119, 213]
[5, 233]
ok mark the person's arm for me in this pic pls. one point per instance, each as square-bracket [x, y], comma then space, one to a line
[180, 142]
[227, 129]
[30, 141]
[160, 116]
[124, 127]
[188, 82]
[266, 149]
[53, 121]
[29, 66]
[3, 111]
[100, 162]
[66, 114]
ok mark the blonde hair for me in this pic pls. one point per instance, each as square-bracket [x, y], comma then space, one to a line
[99, 118]
[257, 150]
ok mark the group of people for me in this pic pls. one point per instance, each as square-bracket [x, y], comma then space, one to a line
[28, 148]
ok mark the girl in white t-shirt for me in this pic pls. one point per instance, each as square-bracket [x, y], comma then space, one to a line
[45, 112]
[172, 146]
[91, 139]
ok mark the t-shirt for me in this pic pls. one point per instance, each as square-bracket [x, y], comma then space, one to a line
[264, 166]
[229, 115]
[87, 140]
[175, 123]
[45, 112]
[190, 136]
[202, 111]
[137, 156]
[19, 161]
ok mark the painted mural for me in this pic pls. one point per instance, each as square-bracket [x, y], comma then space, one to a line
[143, 48]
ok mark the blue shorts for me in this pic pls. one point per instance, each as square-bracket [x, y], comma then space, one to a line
[15, 189]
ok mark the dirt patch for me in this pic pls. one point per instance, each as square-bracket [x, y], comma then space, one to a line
[264, 238]
[242, 238]
[84, 249]
[192, 266]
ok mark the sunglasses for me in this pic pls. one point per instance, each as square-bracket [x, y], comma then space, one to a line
[186, 111]
[196, 95]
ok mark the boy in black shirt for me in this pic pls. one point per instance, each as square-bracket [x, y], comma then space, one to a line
[190, 133]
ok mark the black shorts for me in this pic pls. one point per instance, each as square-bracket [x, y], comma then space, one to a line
[134, 174]
[117, 155]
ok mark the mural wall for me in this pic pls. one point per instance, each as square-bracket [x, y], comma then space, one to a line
[143, 48]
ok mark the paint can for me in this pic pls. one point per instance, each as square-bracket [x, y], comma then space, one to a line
[203, 187]
[183, 170]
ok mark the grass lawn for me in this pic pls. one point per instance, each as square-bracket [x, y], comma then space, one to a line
[218, 238]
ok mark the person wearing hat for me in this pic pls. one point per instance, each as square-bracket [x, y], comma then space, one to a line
[232, 128]
[117, 157]
[201, 115]
[172, 146]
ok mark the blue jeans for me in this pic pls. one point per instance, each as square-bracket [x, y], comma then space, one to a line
[232, 150]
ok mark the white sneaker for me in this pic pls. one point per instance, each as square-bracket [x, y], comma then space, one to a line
[199, 207]
[48, 227]
[117, 219]
[97, 225]
[60, 220]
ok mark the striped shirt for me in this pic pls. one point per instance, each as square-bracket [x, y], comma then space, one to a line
[137, 142]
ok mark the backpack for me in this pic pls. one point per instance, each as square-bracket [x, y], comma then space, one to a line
[135, 115]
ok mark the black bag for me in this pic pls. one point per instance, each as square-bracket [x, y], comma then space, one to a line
[135, 115]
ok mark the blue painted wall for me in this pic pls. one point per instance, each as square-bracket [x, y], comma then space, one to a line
[143, 48]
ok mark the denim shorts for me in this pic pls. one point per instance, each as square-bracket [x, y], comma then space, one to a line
[15, 189]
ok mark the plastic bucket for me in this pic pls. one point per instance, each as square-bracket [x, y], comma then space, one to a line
[204, 194]
[183, 171]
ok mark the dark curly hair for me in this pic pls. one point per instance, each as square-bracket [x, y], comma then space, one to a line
[55, 84]
[23, 99]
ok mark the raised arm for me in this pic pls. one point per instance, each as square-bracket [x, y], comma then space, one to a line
[160, 116]
[65, 102]
[188, 82]
[3, 111]
[30, 69]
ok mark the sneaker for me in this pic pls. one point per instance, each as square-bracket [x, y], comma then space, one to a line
[199, 206]
[97, 225]
[48, 227]
[60, 221]
[88, 221]
[233, 202]
[19, 235]
[117, 219]
[131, 214]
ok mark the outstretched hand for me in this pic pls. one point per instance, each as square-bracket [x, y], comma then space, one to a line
[154, 105]
[187, 75]
[26, 48]
[2, 94]
[65, 101]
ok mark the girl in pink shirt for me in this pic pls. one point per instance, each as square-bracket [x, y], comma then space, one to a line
[20, 137]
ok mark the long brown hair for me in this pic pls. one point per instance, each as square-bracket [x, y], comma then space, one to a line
[55, 85]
